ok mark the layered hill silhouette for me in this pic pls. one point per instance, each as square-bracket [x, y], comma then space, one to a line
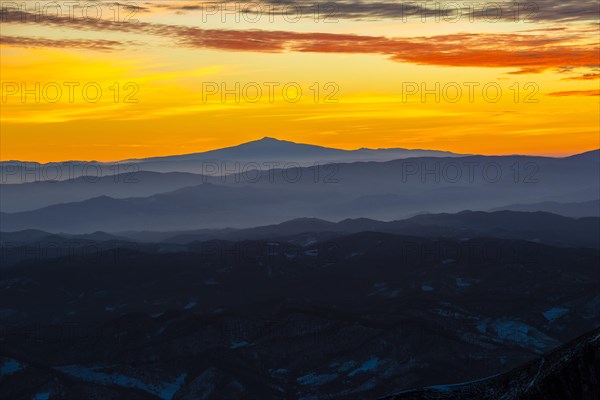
[205, 205]
[110, 215]
[34, 195]
[378, 190]
[536, 228]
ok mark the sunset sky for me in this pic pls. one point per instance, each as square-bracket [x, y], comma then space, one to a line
[360, 65]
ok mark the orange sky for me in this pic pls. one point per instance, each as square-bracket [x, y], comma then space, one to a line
[180, 80]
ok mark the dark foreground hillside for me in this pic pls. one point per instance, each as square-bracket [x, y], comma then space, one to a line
[570, 372]
[358, 317]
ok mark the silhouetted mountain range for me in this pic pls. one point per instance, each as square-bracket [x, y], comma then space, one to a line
[378, 190]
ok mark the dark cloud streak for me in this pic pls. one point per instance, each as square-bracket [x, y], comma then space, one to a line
[539, 10]
[93, 44]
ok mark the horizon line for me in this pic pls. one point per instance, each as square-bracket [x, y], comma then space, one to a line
[265, 138]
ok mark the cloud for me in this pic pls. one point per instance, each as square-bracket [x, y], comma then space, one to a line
[94, 44]
[584, 77]
[526, 53]
[132, 6]
[576, 93]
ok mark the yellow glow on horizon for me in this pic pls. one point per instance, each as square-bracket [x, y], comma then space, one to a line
[173, 116]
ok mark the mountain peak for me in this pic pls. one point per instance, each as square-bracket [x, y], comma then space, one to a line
[268, 140]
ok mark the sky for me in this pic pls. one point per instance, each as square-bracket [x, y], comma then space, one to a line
[99, 80]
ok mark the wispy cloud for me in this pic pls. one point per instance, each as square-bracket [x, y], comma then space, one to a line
[576, 93]
[584, 77]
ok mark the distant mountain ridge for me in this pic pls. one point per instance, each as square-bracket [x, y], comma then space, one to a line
[34, 195]
[266, 150]
[269, 148]
[579, 209]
